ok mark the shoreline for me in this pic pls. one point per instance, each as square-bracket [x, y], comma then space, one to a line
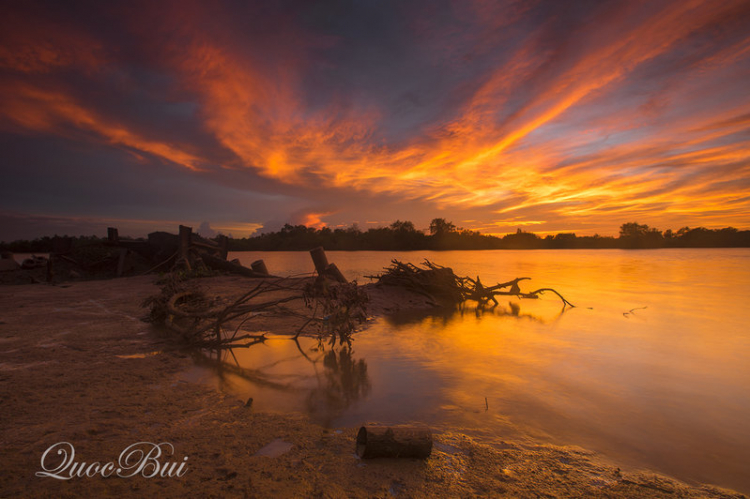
[75, 368]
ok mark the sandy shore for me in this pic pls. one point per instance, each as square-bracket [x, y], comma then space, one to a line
[75, 367]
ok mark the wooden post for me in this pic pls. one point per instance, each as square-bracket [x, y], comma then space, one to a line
[186, 237]
[183, 255]
[50, 273]
[223, 246]
[112, 235]
[394, 441]
[323, 268]
[121, 261]
[333, 272]
[259, 266]
[320, 259]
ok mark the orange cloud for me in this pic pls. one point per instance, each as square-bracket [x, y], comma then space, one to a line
[467, 162]
[530, 138]
[312, 219]
[41, 110]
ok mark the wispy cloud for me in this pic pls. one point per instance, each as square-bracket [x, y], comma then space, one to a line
[514, 114]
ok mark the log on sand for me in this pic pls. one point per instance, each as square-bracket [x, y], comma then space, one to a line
[394, 441]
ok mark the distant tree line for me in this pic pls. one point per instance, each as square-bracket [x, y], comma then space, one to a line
[444, 235]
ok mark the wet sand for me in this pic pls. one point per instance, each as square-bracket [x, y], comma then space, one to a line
[78, 365]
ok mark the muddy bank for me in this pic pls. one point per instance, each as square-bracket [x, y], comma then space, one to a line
[78, 365]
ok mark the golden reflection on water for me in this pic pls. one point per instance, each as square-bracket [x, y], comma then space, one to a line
[649, 369]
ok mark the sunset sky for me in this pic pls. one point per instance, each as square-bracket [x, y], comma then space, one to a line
[234, 116]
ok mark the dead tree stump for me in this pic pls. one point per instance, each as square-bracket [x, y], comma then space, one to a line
[320, 259]
[325, 269]
[112, 235]
[121, 261]
[334, 273]
[186, 239]
[223, 246]
[259, 266]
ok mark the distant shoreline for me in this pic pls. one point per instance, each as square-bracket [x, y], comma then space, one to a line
[483, 249]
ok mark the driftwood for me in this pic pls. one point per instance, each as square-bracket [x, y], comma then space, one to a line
[186, 310]
[442, 285]
[217, 263]
[324, 269]
[320, 260]
[112, 235]
[333, 272]
[216, 323]
[259, 266]
[335, 307]
[435, 282]
[394, 441]
[119, 256]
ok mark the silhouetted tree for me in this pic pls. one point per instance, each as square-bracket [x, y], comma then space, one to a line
[635, 235]
[522, 240]
[440, 227]
[405, 226]
[563, 240]
[406, 236]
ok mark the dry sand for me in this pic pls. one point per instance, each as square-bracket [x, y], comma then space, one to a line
[75, 367]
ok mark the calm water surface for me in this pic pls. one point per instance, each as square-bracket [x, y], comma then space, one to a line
[650, 369]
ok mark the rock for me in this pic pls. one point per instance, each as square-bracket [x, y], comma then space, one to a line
[275, 449]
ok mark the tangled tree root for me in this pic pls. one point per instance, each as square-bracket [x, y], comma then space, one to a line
[442, 285]
[185, 309]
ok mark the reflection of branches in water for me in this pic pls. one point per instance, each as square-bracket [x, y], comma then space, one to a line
[513, 310]
[217, 361]
[448, 315]
[342, 381]
[632, 312]
[411, 317]
[345, 380]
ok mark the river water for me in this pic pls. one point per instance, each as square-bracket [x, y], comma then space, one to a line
[650, 369]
